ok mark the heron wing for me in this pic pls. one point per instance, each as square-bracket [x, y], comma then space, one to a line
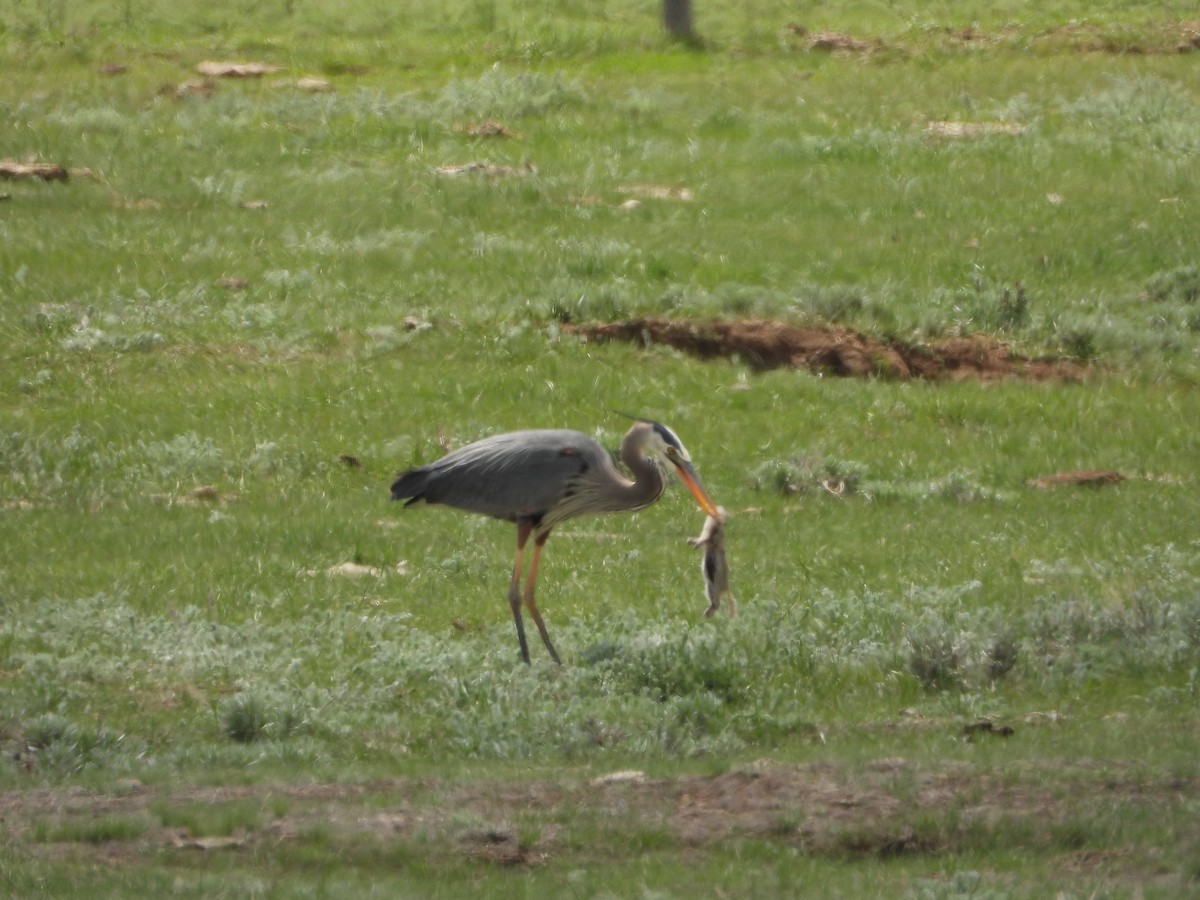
[521, 474]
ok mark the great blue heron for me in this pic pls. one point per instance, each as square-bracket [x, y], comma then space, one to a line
[538, 479]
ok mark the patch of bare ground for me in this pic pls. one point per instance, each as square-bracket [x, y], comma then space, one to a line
[212, 69]
[490, 170]
[1154, 38]
[487, 129]
[14, 170]
[886, 808]
[768, 344]
[832, 41]
[1160, 38]
[1089, 478]
[949, 129]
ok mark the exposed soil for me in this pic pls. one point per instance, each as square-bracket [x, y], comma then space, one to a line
[1165, 37]
[1090, 478]
[767, 344]
[11, 170]
[211, 69]
[886, 808]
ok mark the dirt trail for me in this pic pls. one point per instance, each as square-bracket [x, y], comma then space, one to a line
[885, 808]
[767, 344]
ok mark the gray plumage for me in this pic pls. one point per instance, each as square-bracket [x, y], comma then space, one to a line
[538, 479]
[543, 476]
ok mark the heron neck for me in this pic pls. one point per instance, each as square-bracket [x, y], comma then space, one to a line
[648, 483]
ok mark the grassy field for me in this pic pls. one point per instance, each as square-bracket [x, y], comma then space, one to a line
[229, 667]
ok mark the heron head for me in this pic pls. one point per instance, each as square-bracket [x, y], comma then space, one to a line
[663, 442]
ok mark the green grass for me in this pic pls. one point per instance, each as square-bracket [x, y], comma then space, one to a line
[203, 399]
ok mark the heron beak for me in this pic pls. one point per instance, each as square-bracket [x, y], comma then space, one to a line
[687, 474]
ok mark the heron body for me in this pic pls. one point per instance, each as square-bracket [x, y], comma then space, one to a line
[538, 479]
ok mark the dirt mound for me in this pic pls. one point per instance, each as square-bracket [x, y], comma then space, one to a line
[767, 344]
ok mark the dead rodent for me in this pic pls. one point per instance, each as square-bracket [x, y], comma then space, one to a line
[714, 565]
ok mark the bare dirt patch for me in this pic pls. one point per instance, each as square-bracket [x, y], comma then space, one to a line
[1160, 38]
[213, 69]
[11, 170]
[487, 129]
[1151, 38]
[1090, 478]
[832, 41]
[952, 129]
[885, 808]
[487, 169]
[767, 344]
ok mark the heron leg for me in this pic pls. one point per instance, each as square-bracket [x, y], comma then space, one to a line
[524, 529]
[529, 602]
